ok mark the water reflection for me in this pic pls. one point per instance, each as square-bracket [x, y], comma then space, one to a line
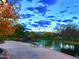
[68, 48]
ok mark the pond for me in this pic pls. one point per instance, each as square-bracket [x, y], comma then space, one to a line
[68, 48]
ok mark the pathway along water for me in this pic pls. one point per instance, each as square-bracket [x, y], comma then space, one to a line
[19, 50]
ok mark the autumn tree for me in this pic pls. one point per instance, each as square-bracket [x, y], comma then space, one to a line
[7, 16]
[70, 32]
[6, 10]
[6, 28]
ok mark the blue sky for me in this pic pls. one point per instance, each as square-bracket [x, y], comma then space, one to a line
[46, 15]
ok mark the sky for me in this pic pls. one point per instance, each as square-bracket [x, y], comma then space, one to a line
[47, 15]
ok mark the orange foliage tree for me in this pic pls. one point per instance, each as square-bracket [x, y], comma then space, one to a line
[6, 28]
[7, 15]
[6, 10]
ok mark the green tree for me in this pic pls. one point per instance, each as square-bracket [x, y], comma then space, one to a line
[19, 31]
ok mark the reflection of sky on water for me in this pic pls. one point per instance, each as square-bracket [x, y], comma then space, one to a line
[44, 15]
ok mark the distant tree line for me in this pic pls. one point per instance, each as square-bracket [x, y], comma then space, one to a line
[18, 32]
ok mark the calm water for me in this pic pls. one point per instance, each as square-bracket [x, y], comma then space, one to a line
[68, 48]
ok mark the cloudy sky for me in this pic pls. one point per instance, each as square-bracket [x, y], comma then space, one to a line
[47, 15]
